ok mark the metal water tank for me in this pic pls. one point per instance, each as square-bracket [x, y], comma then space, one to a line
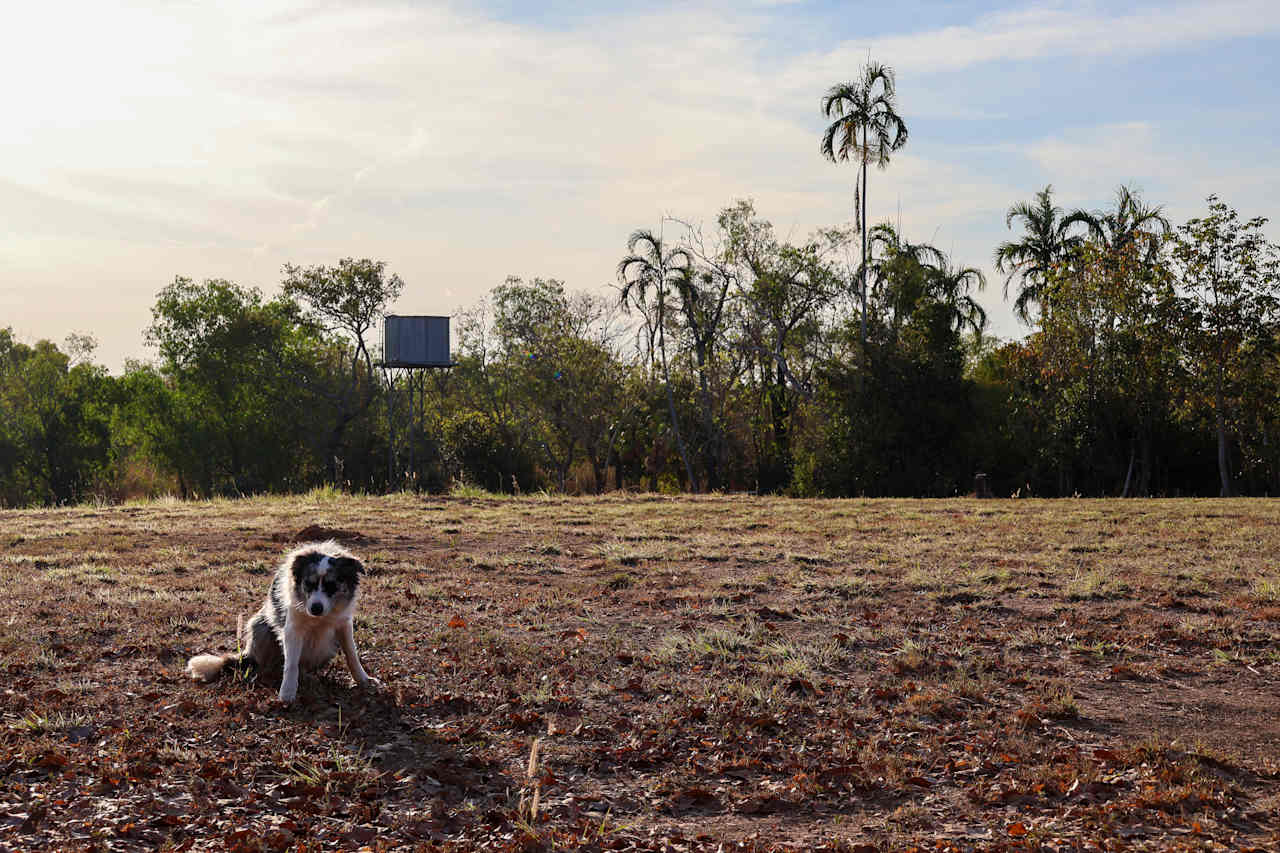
[418, 341]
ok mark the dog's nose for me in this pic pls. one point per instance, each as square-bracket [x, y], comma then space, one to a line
[316, 608]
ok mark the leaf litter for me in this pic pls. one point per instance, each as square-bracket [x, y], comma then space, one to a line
[934, 675]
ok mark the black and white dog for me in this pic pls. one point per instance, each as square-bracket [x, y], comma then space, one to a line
[307, 616]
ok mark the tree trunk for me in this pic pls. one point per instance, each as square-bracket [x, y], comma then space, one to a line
[671, 407]
[1144, 481]
[710, 456]
[675, 429]
[1128, 477]
[335, 446]
[863, 218]
[1224, 468]
[597, 474]
[780, 412]
[391, 435]
[601, 481]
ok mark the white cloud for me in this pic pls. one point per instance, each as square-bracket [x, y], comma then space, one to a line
[1165, 168]
[1046, 31]
[226, 139]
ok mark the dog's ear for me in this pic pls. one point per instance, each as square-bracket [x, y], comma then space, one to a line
[298, 567]
[348, 567]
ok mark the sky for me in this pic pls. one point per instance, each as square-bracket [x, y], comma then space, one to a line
[465, 142]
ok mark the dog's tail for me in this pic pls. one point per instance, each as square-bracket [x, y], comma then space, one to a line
[206, 668]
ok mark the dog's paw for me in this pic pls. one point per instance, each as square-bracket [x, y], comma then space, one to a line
[371, 683]
[286, 697]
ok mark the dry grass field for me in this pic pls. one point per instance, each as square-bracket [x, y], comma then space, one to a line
[651, 673]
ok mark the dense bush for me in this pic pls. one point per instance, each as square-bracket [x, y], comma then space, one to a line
[1151, 367]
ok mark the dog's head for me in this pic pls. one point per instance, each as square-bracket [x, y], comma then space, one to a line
[325, 577]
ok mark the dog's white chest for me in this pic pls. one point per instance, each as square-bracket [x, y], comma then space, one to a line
[319, 644]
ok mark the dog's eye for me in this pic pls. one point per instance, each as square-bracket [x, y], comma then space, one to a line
[330, 587]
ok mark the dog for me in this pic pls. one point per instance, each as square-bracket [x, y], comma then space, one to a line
[306, 618]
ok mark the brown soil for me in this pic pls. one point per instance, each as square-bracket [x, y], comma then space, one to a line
[685, 673]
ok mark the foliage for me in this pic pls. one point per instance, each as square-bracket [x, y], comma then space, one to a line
[1151, 367]
[347, 299]
[558, 347]
[647, 277]
[1230, 279]
[1047, 242]
[232, 407]
[55, 418]
[865, 105]
[904, 427]
[351, 296]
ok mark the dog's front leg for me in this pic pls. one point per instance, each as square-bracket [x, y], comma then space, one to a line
[292, 657]
[348, 637]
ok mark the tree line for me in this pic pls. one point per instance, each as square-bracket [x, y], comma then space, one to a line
[725, 358]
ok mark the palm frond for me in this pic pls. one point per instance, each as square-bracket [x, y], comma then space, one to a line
[865, 105]
[1094, 223]
[973, 274]
[1021, 210]
[877, 72]
[975, 316]
[1009, 255]
[644, 235]
[837, 141]
[836, 98]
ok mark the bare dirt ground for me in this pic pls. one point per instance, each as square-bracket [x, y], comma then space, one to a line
[648, 673]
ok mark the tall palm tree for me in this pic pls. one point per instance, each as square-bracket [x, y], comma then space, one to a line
[1133, 230]
[887, 244]
[951, 286]
[909, 274]
[1130, 221]
[651, 268]
[886, 238]
[899, 270]
[864, 106]
[1046, 242]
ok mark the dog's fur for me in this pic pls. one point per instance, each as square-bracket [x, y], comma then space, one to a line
[307, 616]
